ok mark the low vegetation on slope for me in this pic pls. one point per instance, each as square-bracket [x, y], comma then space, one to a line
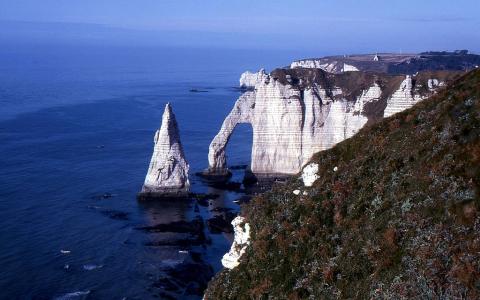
[399, 218]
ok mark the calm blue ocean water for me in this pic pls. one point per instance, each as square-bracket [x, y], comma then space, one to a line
[77, 122]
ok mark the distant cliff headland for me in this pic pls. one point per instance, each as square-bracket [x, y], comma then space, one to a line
[394, 63]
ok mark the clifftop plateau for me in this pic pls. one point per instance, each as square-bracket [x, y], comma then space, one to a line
[394, 63]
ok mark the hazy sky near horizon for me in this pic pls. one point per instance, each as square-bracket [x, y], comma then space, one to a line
[331, 25]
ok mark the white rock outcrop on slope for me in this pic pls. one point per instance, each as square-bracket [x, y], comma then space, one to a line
[290, 123]
[349, 68]
[330, 67]
[402, 98]
[168, 170]
[309, 174]
[240, 243]
[249, 79]
[432, 84]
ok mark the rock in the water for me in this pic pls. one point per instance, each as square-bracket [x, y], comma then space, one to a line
[213, 177]
[203, 199]
[238, 167]
[185, 279]
[190, 233]
[191, 277]
[221, 223]
[168, 172]
[193, 227]
[116, 215]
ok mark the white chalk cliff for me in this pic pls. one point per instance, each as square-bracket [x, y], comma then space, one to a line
[249, 79]
[168, 170]
[403, 98]
[330, 66]
[349, 68]
[240, 243]
[327, 66]
[292, 119]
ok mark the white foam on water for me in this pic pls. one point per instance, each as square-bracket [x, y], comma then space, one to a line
[91, 267]
[171, 262]
[72, 295]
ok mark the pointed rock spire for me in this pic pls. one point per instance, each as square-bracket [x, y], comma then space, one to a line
[168, 171]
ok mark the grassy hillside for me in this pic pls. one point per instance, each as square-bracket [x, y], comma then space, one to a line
[398, 219]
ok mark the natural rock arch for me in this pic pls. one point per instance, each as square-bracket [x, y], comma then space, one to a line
[275, 112]
[242, 112]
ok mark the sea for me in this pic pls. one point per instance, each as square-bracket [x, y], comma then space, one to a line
[76, 136]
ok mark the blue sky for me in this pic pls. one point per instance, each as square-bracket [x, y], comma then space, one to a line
[342, 26]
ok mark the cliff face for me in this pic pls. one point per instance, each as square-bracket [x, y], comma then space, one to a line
[297, 112]
[168, 171]
[249, 79]
[403, 97]
[392, 213]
